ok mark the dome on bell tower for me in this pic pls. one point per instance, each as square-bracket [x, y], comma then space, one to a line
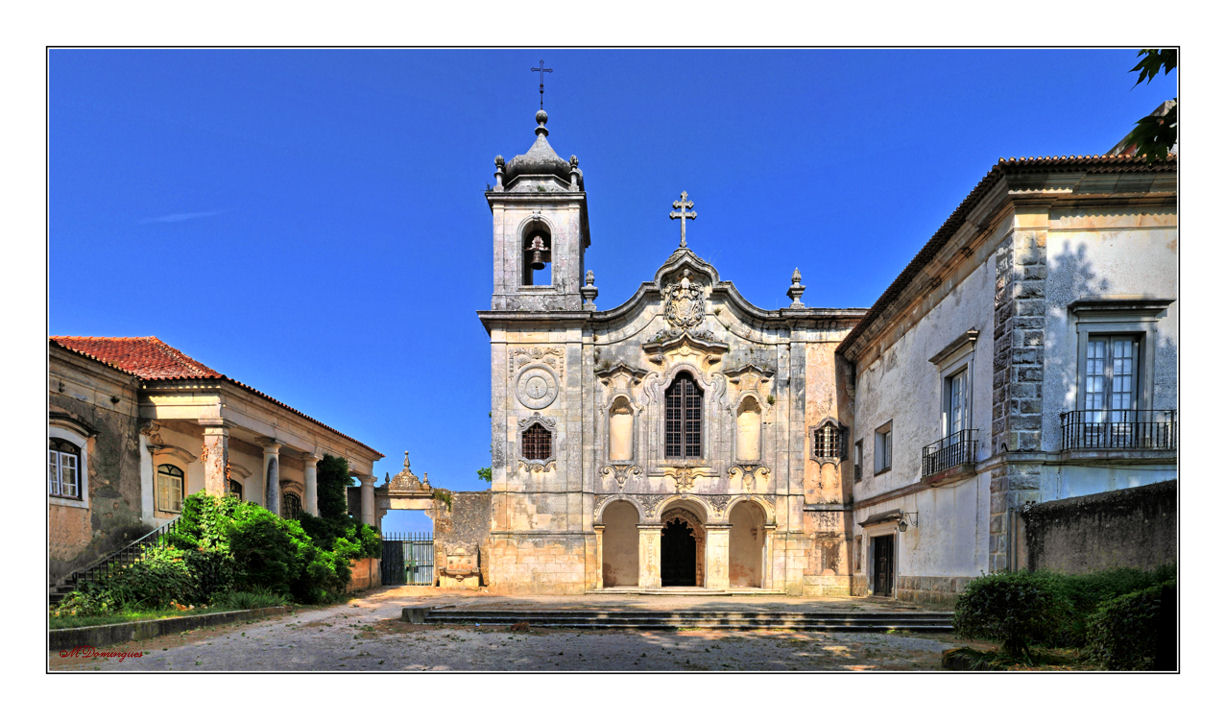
[542, 161]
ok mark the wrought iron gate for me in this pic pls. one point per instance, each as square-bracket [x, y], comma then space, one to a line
[408, 559]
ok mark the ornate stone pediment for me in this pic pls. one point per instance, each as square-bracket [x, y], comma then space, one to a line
[751, 378]
[683, 477]
[685, 344]
[406, 483]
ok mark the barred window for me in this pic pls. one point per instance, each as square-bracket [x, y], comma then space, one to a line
[683, 418]
[828, 442]
[169, 488]
[234, 488]
[291, 506]
[537, 443]
[63, 469]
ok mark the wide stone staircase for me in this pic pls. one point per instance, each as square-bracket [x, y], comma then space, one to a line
[849, 621]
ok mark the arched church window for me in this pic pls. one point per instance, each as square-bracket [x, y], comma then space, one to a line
[537, 443]
[749, 430]
[537, 256]
[829, 442]
[63, 469]
[168, 488]
[621, 430]
[683, 418]
[291, 505]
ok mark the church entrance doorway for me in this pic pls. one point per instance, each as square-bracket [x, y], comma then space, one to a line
[678, 555]
[883, 565]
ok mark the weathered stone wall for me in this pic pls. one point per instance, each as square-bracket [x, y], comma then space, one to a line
[546, 563]
[462, 532]
[364, 574]
[102, 403]
[936, 591]
[1136, 527]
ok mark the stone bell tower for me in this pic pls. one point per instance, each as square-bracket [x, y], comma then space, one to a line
[540, 229]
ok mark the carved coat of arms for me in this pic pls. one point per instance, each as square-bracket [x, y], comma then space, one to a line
[684, 304]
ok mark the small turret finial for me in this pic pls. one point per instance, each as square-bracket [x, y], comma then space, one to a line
[406, 459]
[796, 290]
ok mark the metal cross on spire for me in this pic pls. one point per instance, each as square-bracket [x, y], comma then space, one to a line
[683, 204]
[542, 70]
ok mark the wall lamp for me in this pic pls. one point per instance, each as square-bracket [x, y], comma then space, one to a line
[908, 519]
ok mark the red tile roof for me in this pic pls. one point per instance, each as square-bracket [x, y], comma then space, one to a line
[150, 359]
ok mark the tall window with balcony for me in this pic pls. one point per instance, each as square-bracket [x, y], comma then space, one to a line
[957, 444]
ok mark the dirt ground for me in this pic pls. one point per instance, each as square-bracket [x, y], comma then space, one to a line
[366, 634]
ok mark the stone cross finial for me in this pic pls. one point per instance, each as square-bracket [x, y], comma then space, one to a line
[683, 204]
[542, 70]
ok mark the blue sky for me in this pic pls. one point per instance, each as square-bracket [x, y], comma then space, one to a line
[312, 222]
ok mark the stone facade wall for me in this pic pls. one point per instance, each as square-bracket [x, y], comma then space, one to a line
[552, 563]
[1135, 528]
[364, 575]
[936, 591]
[104, 402]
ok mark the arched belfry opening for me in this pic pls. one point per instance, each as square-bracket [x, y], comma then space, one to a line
[537, 255]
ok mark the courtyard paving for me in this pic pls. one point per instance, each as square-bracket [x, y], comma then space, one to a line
[366, 634]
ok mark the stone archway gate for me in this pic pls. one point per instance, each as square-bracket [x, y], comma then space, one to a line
[408, 558]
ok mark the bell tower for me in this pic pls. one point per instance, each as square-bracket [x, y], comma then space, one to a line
[540, 228]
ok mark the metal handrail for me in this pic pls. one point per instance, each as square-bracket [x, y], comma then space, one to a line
[950, 451]
[124, 556]
[1119, 430]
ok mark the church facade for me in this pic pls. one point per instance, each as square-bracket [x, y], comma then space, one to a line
[687, 438]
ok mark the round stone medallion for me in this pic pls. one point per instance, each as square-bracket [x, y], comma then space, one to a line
[537, 388]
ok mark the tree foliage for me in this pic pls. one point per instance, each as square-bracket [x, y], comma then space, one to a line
[486, 474]
[332, 477]
[1155, 135]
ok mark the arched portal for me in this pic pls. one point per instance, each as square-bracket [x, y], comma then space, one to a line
[620, 545]
[682, 548]
[746, 545]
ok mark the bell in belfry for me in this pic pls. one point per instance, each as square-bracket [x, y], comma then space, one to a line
[540, 253]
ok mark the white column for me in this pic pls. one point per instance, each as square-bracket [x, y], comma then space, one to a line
[368, 498]
[146, 479]
[310, 479]
[599, 528]
[272, 477]
[717, 556]
[215, 458]
[649, 554]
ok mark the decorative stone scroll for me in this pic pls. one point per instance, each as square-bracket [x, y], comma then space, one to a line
[753, 478]
[650, 502]
[551, 356]
[719, 502]
[620, 473]
[683, 477]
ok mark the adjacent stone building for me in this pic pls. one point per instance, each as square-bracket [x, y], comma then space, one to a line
[134, 426]
[688, 438]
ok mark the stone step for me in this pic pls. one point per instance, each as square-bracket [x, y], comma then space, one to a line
[666, 620]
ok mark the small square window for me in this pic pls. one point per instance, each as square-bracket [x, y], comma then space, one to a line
[883, 448]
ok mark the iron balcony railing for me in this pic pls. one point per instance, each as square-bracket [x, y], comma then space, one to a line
[950, 451]
[1118, 430]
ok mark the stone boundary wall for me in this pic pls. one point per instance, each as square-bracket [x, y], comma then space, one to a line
[463, 533]
[545, 564]
[364, 575]
[100, 635]
[931, 590]
[1133, 528]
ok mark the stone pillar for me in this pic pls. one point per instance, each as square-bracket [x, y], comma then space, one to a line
[599, 555]
[310, 479]
[368, 498]
[216, 458]
[150, 443]
[717, 556]
[649, 554]
[768, 555]
[272, 477]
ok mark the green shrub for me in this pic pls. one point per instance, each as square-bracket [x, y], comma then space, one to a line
[1017, 609]
[262, 549]
[1084, 593]
[1136, 631]
[332, 477]
[250, 599]
[155, 580]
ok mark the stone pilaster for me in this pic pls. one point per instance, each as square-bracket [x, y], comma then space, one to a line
[599, 530]
[272, 477]
[215, 457]
[368, 498]
[1019, 329]
[310, 479]
[717, 556]
[649, 554]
